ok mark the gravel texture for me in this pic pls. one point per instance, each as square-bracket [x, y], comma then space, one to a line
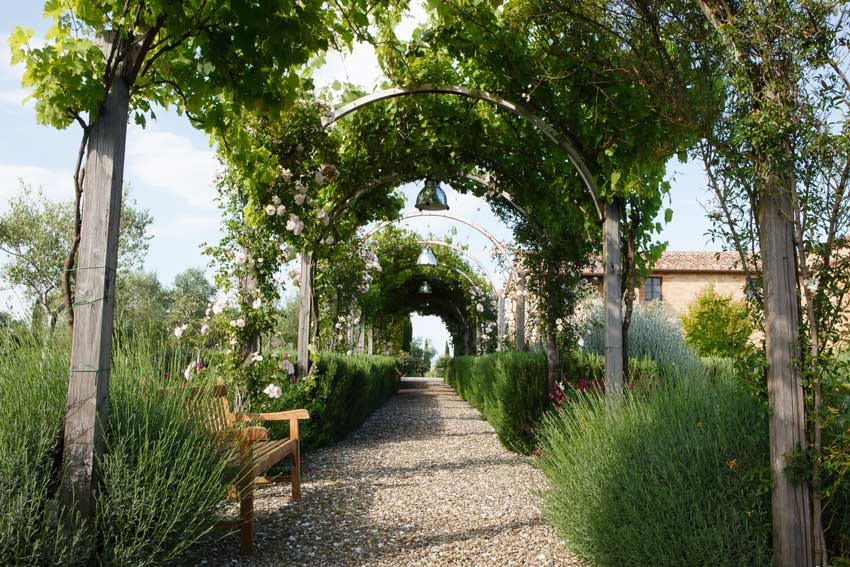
[424, 482]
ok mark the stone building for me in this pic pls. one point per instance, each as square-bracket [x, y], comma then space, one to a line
[678, 277]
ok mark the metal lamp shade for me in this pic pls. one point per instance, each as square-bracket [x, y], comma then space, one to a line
[432, 197]
[425, 288]
[426, 257]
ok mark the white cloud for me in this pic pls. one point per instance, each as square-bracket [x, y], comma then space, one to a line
[57, 184]
[171, 163]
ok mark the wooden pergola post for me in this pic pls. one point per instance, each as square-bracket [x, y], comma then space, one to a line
[500, 320]
[519, 315]
[613, 302]
[791, 500]
[361, 339]
[304, 311]
[91, 348]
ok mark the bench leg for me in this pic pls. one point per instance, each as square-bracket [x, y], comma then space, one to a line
[246, 518]
[296, 472]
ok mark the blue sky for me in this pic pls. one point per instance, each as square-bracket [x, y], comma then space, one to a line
[169, 167]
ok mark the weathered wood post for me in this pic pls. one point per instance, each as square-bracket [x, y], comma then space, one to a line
[613, 302]
[500, 320]
[361, 339]
[519, 316]
[304, 311]
[791, 501]
[91, 348]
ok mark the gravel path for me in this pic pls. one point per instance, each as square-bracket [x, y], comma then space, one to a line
[424, 482]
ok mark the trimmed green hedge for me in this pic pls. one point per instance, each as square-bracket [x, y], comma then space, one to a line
[508, 388]
[340, 393]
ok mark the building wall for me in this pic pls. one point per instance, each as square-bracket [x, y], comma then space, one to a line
[678, 290]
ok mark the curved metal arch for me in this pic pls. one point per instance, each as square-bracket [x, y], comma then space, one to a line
[400, 180]
[467, 254]
[411, 215]
[558, 138]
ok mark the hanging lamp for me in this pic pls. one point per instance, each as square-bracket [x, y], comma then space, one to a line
[432, 197]
[426, 257]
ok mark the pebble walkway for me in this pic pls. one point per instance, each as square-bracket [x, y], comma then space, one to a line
[424, 482]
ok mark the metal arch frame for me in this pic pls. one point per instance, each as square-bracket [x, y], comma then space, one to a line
[558, 138]
[400, 180]
[610, 219]
[419, 214]
[469, 255]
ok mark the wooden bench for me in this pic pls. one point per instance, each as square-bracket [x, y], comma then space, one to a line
[256, 454]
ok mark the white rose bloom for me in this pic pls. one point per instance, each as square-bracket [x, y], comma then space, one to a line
[233, 341]
[479, 308]
[257, 303]
[205, 329]
[321, 214]
[338, 325]
[281, 210]
[178, 331]
[299, 199]
[240, 257]
[271, 210]
[240, 323]
[233, 323]
[319, 178]
[286, 174]
[580, 342]
[275, 200]
[329, 240]
[219, 305]
[299, 187]
[273, 391]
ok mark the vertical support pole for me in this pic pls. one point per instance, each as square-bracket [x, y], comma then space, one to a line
[91, 348]
[519, 317]
[304, 311]
[613, 302]
[500, 320]
[791, 501]
[371, 341]
[361, 339]
[247, 288]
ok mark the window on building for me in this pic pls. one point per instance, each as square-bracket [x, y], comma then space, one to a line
[652, 289]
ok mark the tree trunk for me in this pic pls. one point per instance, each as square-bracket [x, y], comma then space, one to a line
[305, 308]
[791, 502]
[613, 303]
[91, 351]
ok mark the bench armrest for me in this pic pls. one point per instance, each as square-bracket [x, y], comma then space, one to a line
[274, 416]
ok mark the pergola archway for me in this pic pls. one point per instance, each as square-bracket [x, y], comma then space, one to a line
[610, 219]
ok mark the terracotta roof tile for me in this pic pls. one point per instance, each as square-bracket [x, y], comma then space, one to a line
[687, 262]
